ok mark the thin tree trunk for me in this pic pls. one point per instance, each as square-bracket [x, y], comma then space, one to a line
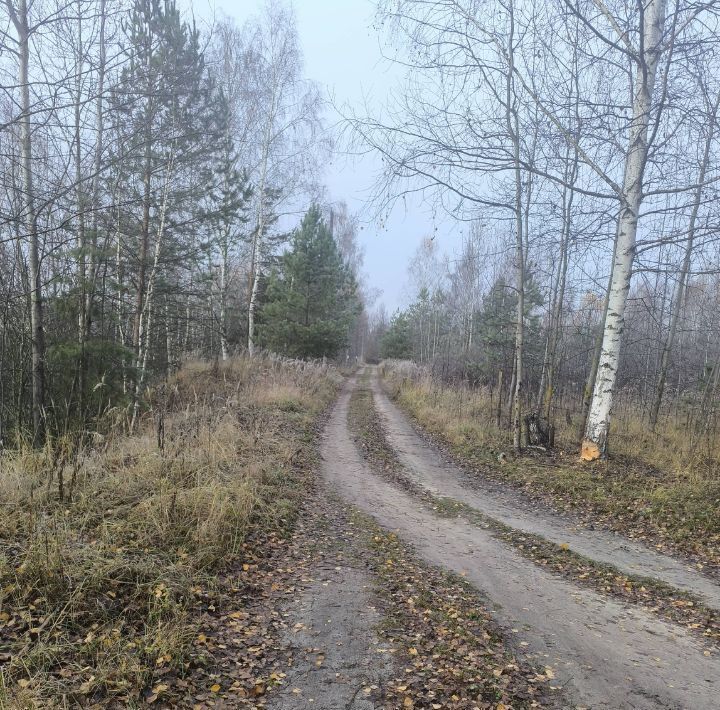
[20, 21]
[81, 231]
[256, 272]
[498, 411]
[681, 292]
[143, 248]
[93, 261]
[168, 341]
[513, 131]
[224, 347]
[554, 336]
[144, 321]
[252, 307]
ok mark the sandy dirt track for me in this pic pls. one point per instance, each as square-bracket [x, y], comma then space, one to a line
[604, 654]
[428, 468]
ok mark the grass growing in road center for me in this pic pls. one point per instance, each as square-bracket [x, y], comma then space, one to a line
[667, 602]
[448, 650]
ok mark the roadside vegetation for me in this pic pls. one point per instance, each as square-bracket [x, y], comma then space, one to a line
[96, 583]
[666, 494]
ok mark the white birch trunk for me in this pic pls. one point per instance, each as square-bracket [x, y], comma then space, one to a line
[511, 117]
[598, 422]
[20, 20]
[143, 345]
[256, 271]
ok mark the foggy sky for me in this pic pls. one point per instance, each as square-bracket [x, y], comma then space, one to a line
[342, 54]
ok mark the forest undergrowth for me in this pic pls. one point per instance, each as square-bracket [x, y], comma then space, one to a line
[662, 488]
[96, 588]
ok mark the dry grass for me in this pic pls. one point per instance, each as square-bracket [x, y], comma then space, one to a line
[95, 589]
[657, 486]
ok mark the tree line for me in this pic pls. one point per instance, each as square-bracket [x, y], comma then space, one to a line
[577, 141]
[151, 173]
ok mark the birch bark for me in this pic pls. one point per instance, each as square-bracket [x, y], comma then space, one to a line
[20, 20]
[594, 444]
[256, 271]
[513, 128]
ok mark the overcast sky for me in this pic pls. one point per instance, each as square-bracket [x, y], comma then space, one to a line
[343, 56]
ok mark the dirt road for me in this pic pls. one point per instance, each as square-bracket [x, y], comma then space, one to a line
[332, 637]
[603, 654]
[428, 468]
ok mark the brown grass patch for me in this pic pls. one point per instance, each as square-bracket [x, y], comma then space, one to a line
[95, 588]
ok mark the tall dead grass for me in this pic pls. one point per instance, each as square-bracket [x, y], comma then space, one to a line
[95, 588]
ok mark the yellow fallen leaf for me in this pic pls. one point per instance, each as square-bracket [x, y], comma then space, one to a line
[407, 703]
[215, 688]
[413, 652]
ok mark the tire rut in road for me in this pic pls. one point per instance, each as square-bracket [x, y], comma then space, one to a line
[607, 656]
[429, 468]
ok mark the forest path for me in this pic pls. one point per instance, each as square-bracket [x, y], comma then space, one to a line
[604, 654]
[429, 468]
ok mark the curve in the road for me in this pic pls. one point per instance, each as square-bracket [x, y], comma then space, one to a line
[429, 469]
[603, 654]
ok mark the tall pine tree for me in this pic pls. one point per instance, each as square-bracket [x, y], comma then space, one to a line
[166, 133]
[311, 298]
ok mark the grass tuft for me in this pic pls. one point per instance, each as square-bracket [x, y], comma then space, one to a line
[96, 587]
